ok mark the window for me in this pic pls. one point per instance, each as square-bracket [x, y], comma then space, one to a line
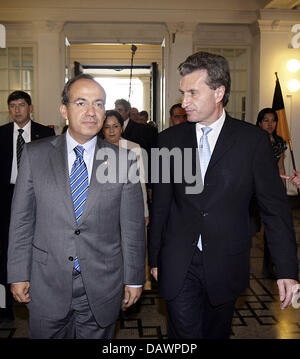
[238, 63]
[16, 73]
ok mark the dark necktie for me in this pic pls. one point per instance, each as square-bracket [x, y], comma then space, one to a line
[20, 146]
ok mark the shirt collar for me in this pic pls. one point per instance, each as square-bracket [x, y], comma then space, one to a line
[88, 146]
[216, 124]
[125, 123]
[26, 128]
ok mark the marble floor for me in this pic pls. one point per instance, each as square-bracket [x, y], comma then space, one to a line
[257, 311]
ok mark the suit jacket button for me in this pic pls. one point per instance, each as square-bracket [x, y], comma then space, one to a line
[71, 259]
[77, 232]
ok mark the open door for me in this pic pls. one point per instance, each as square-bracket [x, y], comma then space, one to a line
[154, 91]
[78, 69]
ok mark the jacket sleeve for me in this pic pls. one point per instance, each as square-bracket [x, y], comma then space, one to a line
[22, 224]
[275, 211]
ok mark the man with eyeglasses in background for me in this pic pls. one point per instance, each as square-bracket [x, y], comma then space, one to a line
[77, 241]
[177, 115]
[12, 138]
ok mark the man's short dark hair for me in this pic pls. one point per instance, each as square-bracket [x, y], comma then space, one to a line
[177, 105]
[145, 114]
[65, 96]
[123, 103]
[17, 95]
[217, 68]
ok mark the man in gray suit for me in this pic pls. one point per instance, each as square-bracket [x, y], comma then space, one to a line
[72, 262]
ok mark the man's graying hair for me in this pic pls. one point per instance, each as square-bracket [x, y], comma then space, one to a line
[217, 69]
[65, 96]
[123, 103]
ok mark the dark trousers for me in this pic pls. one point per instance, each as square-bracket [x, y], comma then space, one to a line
[191, 315]
[4, 231]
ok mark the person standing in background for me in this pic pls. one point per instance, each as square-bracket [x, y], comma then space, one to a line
[267, 120]
[12, 138]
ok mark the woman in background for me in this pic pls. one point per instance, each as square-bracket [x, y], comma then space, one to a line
[112, 131]
[267, 119]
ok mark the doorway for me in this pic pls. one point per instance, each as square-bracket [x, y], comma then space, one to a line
[110, 64]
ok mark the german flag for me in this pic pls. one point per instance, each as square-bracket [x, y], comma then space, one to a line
[278, 106]
[282, 126]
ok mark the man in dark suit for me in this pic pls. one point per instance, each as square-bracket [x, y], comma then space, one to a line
[77, 234]
[132, 131]
[144, 135]
[19, 108]
[199, 245]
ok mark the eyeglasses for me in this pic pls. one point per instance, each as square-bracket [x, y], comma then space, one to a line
[84, 105]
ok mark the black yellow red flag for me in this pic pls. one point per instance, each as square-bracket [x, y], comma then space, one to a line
[278, 106]
[282, 125]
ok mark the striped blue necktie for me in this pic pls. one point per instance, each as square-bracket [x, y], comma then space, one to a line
[204, 155]
[79, 188]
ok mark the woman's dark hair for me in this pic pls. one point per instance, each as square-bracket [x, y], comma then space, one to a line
[262, 114]
[110, 113]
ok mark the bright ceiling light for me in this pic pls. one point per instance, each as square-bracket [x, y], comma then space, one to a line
[293, 85]
[293, 65]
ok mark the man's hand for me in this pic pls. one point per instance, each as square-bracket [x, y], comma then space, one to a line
[20, 292]
[154, 272]
[146, 221]
[295, 180]
[131, 296]
[285, 287]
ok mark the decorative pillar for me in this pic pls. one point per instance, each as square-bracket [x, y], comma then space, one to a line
[180, 47]
[50, 71]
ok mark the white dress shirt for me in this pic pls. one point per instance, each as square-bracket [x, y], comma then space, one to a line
[212, 137]
[125, 123]
[27, 138]
[88, 154]
[136, 148]
[213, 134]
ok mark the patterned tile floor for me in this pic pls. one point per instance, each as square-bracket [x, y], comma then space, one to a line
[257, 312]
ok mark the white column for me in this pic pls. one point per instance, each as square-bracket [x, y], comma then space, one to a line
[50, 71]
[180, 47]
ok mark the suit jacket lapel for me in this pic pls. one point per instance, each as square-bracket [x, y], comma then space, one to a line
[10, 142]
[34, 132]
[128, 129]
[92, 197]
[225, 141]
[60, 168]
